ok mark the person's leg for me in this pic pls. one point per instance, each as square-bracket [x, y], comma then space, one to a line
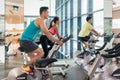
[92, 38]
[85, 39]
[44, 44]
[34, 57]
[50, 43]
[85, 44]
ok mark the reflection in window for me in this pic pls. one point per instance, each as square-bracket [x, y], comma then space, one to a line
[98, 4]
[84, 6]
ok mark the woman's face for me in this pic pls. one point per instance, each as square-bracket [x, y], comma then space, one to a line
[58, 22]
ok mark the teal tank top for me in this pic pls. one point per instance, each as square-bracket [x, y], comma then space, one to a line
[31, 32]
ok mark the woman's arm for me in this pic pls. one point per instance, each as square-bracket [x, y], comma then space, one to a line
[57, 32]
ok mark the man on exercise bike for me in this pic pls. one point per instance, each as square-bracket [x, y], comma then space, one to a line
[86, 30]
[29, 35]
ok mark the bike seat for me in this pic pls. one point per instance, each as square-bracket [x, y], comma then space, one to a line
[21, 49]
[93, 41]
[42, 63]
[116, 74]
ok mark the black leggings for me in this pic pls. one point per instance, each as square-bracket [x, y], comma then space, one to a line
[45, 42]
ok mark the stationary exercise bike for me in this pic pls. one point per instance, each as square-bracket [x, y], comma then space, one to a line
[112, 70]
[40, 73]
[52, 54]
[88, 56]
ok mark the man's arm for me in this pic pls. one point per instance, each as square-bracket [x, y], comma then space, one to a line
[95, 32]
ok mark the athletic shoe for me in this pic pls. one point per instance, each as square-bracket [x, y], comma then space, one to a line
[27, 70]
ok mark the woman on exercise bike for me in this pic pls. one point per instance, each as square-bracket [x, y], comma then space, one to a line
[53, 29]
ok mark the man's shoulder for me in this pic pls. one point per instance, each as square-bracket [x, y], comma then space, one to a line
[39, 21]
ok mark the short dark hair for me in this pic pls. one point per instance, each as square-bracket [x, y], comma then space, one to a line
[88, 18]
[43, 9]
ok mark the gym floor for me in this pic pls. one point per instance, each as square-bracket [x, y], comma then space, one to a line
[12, 62]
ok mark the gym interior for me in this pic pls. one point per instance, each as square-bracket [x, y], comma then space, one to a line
[16, 15]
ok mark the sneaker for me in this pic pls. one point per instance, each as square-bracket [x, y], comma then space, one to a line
[27, 70]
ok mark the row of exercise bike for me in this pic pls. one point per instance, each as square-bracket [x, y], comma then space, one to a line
[103, 61]
[91, 59]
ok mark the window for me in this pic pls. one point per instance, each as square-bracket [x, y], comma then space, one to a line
[98, 22]
[68, 11]
[64, 12]
[61, 1]
[68, 43]
[2, 6]
[83, 20]
[75, 9]
[98, 4]
[59, 13]
[75, 26]
[84, 6]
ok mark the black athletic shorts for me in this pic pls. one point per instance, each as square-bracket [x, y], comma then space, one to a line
[86, 38]
[28, 46]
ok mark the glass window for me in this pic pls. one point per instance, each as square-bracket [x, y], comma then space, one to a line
[63, 12]
[68, 43]
[83, 20]
[98, 22]
[84, 6]
[59, 13]
[68, 11]
[61, 1]
[75, 9]
[98, 4]
[2, 5]
[75, 26]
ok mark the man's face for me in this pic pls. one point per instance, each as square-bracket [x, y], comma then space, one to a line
[46, 14]
[90, 20]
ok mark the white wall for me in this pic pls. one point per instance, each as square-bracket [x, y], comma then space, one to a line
[31, 7]
[52, 8]
[117, 3]
[17, 26]
[2, 7]
[108, 8]
[2, 54]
